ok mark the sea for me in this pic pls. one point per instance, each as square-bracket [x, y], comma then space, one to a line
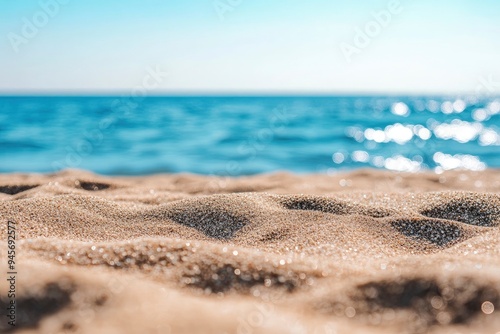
[231, 136]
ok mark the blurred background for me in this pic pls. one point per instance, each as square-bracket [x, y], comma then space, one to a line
[233, 87]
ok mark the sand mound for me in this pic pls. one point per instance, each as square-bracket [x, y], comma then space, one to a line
[431, 301]
[468, 208]
[367, 251]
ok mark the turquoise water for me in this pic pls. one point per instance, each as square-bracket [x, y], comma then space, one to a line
[247, 135]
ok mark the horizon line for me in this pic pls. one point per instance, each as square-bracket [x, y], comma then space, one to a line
[241, 94]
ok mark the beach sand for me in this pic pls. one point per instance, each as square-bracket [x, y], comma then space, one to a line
[359, 252]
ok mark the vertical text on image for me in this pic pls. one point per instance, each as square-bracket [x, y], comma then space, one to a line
[11, 272]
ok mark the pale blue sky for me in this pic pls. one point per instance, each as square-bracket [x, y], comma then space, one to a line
[259, 46]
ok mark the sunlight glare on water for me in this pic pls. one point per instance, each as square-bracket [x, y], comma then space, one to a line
[247, 135]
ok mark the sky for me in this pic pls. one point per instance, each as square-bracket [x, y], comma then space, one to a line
[248, 46]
